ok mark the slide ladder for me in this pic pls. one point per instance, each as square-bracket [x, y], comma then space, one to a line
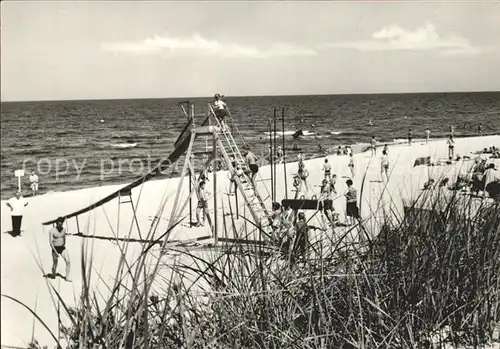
[251, 196]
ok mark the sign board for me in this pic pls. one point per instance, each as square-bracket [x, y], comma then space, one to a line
[19, 173]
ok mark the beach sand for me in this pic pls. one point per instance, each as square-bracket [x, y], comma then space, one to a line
[25, 259]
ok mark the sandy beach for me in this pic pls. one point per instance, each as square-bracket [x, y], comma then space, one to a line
[25, 259]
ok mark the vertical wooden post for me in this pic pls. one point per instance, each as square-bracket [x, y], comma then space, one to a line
[274, 156]
[214, 169]
[190, 198]
[77, 225]
[284, 158]
[271, 157]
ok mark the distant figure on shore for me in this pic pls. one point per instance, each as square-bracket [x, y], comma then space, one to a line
[327, 169]
[373, 147]
[220, 109]
[280, 154]
[427, 135]
[351, 165]
[370, 122]
[333, 182]
[451, 147]
[202, 208]
[34, 183]
[297, 134]
[339, 150]
[251, 160]
[238, 173]
[386, 149]
[57, 240]
[452, 130]
[384, 165]
[16, 204]
[351, 196]
[480, 129]
[410, 136]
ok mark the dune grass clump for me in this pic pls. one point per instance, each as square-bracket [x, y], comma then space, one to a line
[432, 278]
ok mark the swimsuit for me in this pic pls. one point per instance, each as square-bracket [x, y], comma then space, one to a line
[59, 249]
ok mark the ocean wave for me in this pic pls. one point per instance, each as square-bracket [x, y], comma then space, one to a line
[124, 145]
[281, 133]
[335, 133]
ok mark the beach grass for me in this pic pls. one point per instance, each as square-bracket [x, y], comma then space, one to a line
[428, 279]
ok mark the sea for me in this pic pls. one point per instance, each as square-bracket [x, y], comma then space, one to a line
[88, 143]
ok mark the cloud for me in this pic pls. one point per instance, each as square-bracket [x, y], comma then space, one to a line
[424, 38]
[197, 45]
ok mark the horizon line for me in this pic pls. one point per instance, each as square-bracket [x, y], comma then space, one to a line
[240, 96]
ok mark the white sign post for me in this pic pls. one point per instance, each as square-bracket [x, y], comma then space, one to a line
[19, 174]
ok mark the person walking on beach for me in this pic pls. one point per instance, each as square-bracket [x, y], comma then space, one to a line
[384, 166]
[410, 136]
[57, 241]
[427, 135]
[351, 165]
[202, 209]
[451, 147]
[16, 204]
[327, 169]
[352, 210]
[251, 160]
[374, 146]
[220, 109]
[34, 183]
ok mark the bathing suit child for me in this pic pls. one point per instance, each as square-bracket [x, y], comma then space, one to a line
[451, 147]
[326, 198]
[252, 164]
[303, 173]
[57, 240]
[203, 196]
[384, 165]
[220, 109]
[374, 146]
[327, 168]
[410, 136]
[238, 172]
[352, 210]
[351, 165]
[333, 181]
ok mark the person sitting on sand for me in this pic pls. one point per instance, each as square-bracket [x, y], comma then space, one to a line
[220, 109]
[373, 146]
[352, 210]
[384, 165]
[327, 169]
[34, 183]
[451, 147]
[57, 240]
[202, 209]
[339, 150]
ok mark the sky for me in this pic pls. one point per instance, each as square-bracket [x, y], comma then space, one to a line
[104, 50]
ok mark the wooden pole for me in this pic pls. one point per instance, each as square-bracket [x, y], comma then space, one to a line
[274, 155]
[271, 157]
[190, 198]
[284, 158]
[214, 169]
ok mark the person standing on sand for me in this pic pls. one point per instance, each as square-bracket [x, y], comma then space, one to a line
[327, 168]
[57, 241]
[451, 147]
[352, 210]
[410, 136]
[427, 135]
[351, 165]
[452, 131]
[384, 166]
[480, 129]
[16, 205]
[202, 209]
[34, 183]
[301, 238]
[302, 173]
[374, 146]
[279, 153]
